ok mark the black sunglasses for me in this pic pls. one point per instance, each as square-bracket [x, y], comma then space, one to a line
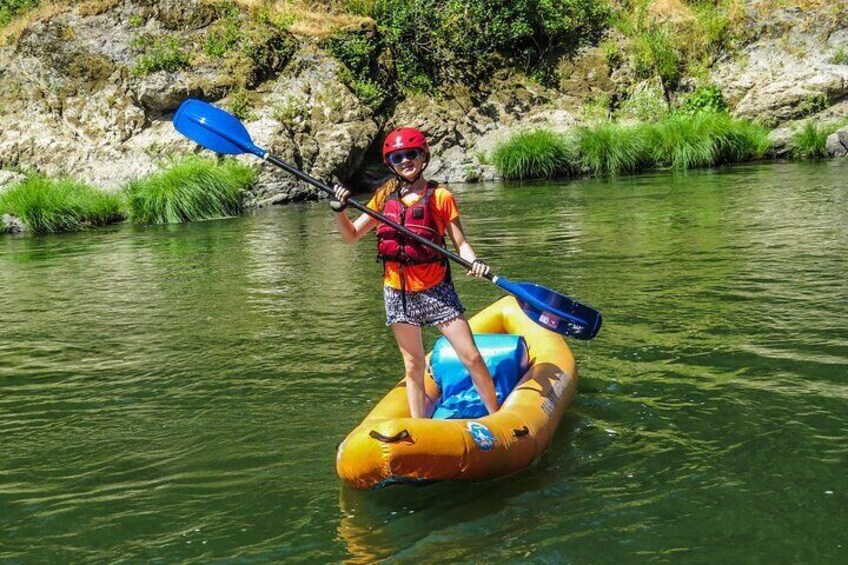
[397, 157]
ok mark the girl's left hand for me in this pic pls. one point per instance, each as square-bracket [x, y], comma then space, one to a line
[478, 269]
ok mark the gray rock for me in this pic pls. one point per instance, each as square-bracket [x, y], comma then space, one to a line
[837, 143]
[8, 178]
[462, 135]
[784, 72]
[12, 224]
[310, 119]
[71, 106]
[780, 140]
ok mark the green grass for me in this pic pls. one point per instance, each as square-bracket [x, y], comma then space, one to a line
[609, 148]
[680, 141]
[241, 104]
[705, 139]
[810, 140]
[9, 9]
[162, 54]
[840, 57]
[64, 205]
[189, 189]
[534, 154]
[222, 37]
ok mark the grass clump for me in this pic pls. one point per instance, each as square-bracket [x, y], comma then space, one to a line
[809, 141]
[534, 154]
[840, 57]
[610, 148]
[162, 54]
[189, 189]
[705, 139]
[680, 141]
[65, 205]
[11, 8]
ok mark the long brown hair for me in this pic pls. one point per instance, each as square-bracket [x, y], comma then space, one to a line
[385, 190]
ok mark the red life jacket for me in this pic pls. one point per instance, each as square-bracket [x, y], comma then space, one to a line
[417, 218]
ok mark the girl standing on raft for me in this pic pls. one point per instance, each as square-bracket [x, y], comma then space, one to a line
[417, 287]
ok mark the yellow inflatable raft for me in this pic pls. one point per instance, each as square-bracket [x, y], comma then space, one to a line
[390, 447]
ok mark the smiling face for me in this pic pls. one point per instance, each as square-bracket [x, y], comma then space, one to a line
[407, 163]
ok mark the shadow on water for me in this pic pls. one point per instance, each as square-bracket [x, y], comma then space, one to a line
[412, 521]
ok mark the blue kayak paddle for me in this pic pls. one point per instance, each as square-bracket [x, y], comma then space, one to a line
[222, 132]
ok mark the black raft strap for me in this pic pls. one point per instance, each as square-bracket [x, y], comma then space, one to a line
[402, 436]
[521, 432]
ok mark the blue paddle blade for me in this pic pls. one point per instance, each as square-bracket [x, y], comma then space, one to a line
[214, 129]
[554, 311]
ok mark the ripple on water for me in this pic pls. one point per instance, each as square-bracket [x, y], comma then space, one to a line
[177, 393]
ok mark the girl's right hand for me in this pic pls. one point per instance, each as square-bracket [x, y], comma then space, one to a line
[340, 196]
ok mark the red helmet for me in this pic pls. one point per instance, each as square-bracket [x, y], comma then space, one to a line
[405, 138]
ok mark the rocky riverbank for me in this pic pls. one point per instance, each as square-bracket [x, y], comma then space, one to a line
[89, 91]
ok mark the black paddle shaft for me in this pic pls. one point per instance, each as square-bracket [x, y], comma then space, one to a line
[374, 214]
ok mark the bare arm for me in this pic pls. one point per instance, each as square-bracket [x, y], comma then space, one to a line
[464, 249]
[353, 231]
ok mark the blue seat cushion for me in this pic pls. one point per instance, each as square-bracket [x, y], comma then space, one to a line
[505, 355]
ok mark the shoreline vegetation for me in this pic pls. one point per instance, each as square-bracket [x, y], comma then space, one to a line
[185, 190]
[196, 188]
[610, 148]
[682, 121]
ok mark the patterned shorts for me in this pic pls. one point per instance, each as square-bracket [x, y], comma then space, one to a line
[430, 307]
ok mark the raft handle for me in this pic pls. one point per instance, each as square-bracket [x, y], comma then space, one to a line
[400, 436]
[521, 432]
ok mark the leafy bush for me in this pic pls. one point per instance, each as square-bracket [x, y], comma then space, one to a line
[136, 20]
[370, 93]
[356, 50]
[221, 38]
[189, 189]
[53, 206]
[534, 154]
[444, 42]
[359, 51]
[705, 99]
[644, 106]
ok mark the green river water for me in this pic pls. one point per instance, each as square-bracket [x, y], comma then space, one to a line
[176, 393]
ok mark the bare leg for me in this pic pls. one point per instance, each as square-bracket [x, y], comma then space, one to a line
[412, 348]
[458, 333]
